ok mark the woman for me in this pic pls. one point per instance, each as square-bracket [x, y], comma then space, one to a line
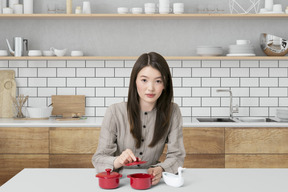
[141, 127]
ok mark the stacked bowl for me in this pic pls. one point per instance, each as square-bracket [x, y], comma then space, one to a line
[242, 48]
[209, 50]
[282, 114]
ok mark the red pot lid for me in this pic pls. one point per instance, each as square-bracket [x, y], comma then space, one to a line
[108, 174]
[137, 162]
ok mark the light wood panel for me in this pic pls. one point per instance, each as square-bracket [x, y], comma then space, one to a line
[12, 164]
[24, 140]
[256, 161]
[71, 161]
[256, 140]
[68, 104]
[205, 161]
[200, 140]
[82, 140]
[135, 57]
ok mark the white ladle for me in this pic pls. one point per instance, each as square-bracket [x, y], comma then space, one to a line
[172, 179]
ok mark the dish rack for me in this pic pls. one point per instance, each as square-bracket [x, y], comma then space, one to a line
[244, 6]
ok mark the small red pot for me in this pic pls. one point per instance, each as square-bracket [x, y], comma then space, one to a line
[108, 179]
[140, 180]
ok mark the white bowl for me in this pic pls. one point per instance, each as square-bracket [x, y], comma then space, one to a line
[39, 112]
[34, 53]
[3, 53]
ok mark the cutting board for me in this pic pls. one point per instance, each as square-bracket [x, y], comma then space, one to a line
[7, 92]
[68, 104]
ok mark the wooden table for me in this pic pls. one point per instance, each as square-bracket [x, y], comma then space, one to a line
[196, 180]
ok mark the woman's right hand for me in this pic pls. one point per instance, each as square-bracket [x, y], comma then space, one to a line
[126, 156]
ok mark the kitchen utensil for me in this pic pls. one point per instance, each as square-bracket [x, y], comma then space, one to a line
[140, 180]
[18, 104]
[58, 52]
[18, 43]
[7, 93]
[137, 162]
[34, 53]
[172, 179]
[273, 45]
[68, 104]
[39, 112]
[108, 179]
[28, 6]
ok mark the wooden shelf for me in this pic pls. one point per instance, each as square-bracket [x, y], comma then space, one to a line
[142, 16]
[135, 57]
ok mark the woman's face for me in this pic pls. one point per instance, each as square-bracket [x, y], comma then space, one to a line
[150, 85]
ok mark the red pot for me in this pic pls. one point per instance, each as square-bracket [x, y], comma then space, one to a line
[108, 179]
[140, 180]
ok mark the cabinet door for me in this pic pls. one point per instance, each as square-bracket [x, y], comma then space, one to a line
[71, 161]
[24, 140]
[12, 164]
[82, 140]
[256, 140]
[204, 147]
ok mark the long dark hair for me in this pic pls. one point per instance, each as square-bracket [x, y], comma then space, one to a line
[163, 104]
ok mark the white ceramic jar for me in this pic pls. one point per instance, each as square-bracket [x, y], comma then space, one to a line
[28, 6]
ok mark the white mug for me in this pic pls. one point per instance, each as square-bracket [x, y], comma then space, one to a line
[150, 10]
[18, 8]
[242, 42]
[86, 7]
[178, 8]
[277, 8]
[122, 10]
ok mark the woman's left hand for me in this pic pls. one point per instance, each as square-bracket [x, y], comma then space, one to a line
[157, 174]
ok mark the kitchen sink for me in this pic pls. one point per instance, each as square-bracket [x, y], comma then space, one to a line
[215, 119]
[255, 119]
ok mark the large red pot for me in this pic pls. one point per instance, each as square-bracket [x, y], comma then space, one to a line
[140, 180]
[108, 179]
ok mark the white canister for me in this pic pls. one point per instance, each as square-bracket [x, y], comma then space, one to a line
[86, 7]
[18, 9]
[68, 6]
[12, 2]
[269, 5]
[28, 6]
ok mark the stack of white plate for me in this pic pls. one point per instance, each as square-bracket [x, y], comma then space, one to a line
[241, 50]
[209, 50]
[282, 114]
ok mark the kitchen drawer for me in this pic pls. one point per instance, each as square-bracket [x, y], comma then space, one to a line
[71, 161]
[256, 140]
[24, 140]
[67, 140]
[256, 161]
[12, 164]
[198, 140]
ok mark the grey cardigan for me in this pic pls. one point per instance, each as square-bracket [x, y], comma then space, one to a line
[115, 137]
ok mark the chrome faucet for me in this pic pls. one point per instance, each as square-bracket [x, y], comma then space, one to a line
[232, 110]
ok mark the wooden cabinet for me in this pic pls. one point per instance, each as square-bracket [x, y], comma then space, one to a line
[256, 147]
[73, 147]
[22, 148]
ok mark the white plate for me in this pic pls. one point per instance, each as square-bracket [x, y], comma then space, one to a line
[240, 55]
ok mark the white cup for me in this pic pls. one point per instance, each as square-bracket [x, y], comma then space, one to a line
[58, 52]
[136, 10]
[164, 10]
[86, 7]
[178, 8]
[3, 53]
[277, 8]
[122, 10]
[7, 10]
[150, 10]
[77, 53]
[242, 42]
[28, 6]
[18, 8]
[269, 5]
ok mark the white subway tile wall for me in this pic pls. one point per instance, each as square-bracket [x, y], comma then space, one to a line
[259, 87]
